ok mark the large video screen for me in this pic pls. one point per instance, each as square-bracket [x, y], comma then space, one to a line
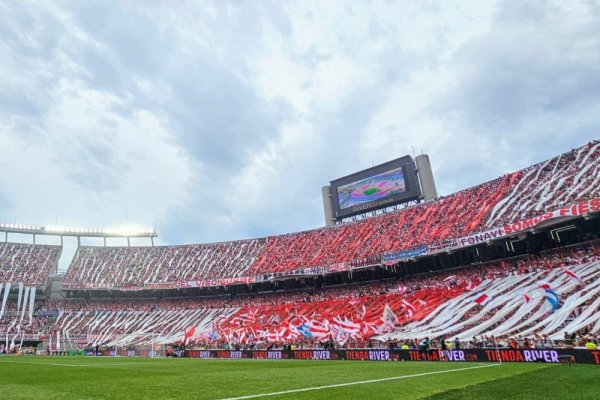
[378, 187]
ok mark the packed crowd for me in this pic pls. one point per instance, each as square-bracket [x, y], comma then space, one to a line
[27, 263]
[342, 316]
[564, 179]
[133, 267]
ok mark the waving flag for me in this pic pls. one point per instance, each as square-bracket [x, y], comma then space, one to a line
[471, 285]
[575, 277]
[319, 329]
[212, 333]
[273, 336]
[408, 305]
[527, 298]
[388, 315]
[545, 286]
[367, 329]
[304, 330]
[552, 298]
[341, 336]
[410, 309]
[188, 335]
[347, 325]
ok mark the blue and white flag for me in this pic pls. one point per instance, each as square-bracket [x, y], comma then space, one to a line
[552, 298]
[304, 330]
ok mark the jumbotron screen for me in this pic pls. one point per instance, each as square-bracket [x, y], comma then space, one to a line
[381, 186]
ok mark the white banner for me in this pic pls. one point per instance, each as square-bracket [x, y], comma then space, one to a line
[25, 298]
[574, 210]
[19, 297]
[6, 291]
[31, 303]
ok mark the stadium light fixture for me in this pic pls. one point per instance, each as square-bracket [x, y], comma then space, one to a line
[122, 231]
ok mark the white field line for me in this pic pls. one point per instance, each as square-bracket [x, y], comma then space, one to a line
[39, 363]
[254, 396]
[77, 365]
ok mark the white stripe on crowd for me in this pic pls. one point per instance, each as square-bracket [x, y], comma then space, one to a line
[392, 378]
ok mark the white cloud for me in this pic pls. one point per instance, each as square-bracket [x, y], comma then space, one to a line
[92, 166]
[223, 121]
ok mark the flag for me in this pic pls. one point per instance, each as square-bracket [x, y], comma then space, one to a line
[575, 277]
[248, 318]
[410, 309]
[552, 298]
[319, 329]
[242, 339]
[483, 299]
[213, 335]
[189, 334]
[386, 327]
[347, 325]
[527, 298]
[272, 336]
[341, 336]
[5, 297]
[304, 330]
[545, 286]
[388, 315]
[367, 329]
[471, 285]
[408, 305]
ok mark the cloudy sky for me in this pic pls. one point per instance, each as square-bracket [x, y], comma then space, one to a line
[222, 120]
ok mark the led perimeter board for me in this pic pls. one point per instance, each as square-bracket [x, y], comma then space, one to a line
[381, 186]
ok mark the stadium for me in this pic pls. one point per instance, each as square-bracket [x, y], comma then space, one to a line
[506, 271]
[299, 200]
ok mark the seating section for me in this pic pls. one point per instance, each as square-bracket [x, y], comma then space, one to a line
[560, 181]
[136, 267]
[434, 305]
[520, 305]
[27, 263]
[450, 217]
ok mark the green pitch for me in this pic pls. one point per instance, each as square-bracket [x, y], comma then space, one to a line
[138, 378]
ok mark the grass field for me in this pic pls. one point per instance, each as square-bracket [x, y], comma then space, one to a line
[138, 378]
